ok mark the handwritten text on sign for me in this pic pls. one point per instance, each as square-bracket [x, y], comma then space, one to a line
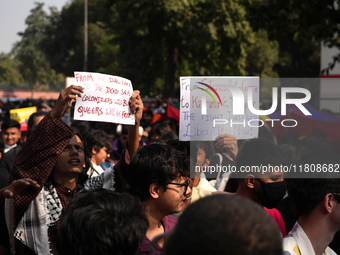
[105, 98]
[22, 114]
[206, 107]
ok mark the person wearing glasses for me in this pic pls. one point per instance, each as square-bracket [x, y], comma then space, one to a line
[159, 176]
[315, 198]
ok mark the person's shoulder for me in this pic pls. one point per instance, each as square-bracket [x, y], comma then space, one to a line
[289, 242]
[169, 222]
[329, 251]
[277, 217]
[290, 246]
[170, 218]
[274, 213]
[144, 246]
[3, 180]
[10, 155]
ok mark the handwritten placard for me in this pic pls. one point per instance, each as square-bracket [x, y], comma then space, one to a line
[105, 98]
[207, 107]
[22, 114]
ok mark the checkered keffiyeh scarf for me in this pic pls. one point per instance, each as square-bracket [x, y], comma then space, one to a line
[46, 209]
[41, 213]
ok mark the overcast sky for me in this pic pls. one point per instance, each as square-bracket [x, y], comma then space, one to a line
[12, 18]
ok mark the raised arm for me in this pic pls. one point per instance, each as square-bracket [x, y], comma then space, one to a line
[136, 106]
[65, 100]
[41, 151]
[120, 173]
[16, 187]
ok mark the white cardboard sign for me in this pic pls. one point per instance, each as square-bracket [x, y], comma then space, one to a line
[105, 98]
[205, 99]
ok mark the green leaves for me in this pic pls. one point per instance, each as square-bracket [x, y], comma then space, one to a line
[153, 43]
[29, 51]
[9, 72]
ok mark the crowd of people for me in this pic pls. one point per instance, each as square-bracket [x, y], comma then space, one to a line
[77, 187]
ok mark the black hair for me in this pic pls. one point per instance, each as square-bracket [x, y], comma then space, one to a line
[30, 122]
[148, 112]
[98, 139]
[160, 129]
[155, 163]
[173, 123]
[170, 121]
[266, 133]
[82, 127]
[290, 151]
[206, 146]
[158, 103]
[223, 224]
[103, 222]
[257, 152]
[40, 106]
[184, 148]
[125, 130]
[2, 146]
[167, 137]
[144, 124]
[316, 142]
[10, 123]
[307, 189]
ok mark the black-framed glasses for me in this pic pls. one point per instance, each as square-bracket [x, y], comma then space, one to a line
[185, 184]
[338, 196]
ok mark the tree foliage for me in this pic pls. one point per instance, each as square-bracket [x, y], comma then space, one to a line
[153, 43]
[65, 44]
[298, 26]
[164, 39]
[36, 68]
[9, 70]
